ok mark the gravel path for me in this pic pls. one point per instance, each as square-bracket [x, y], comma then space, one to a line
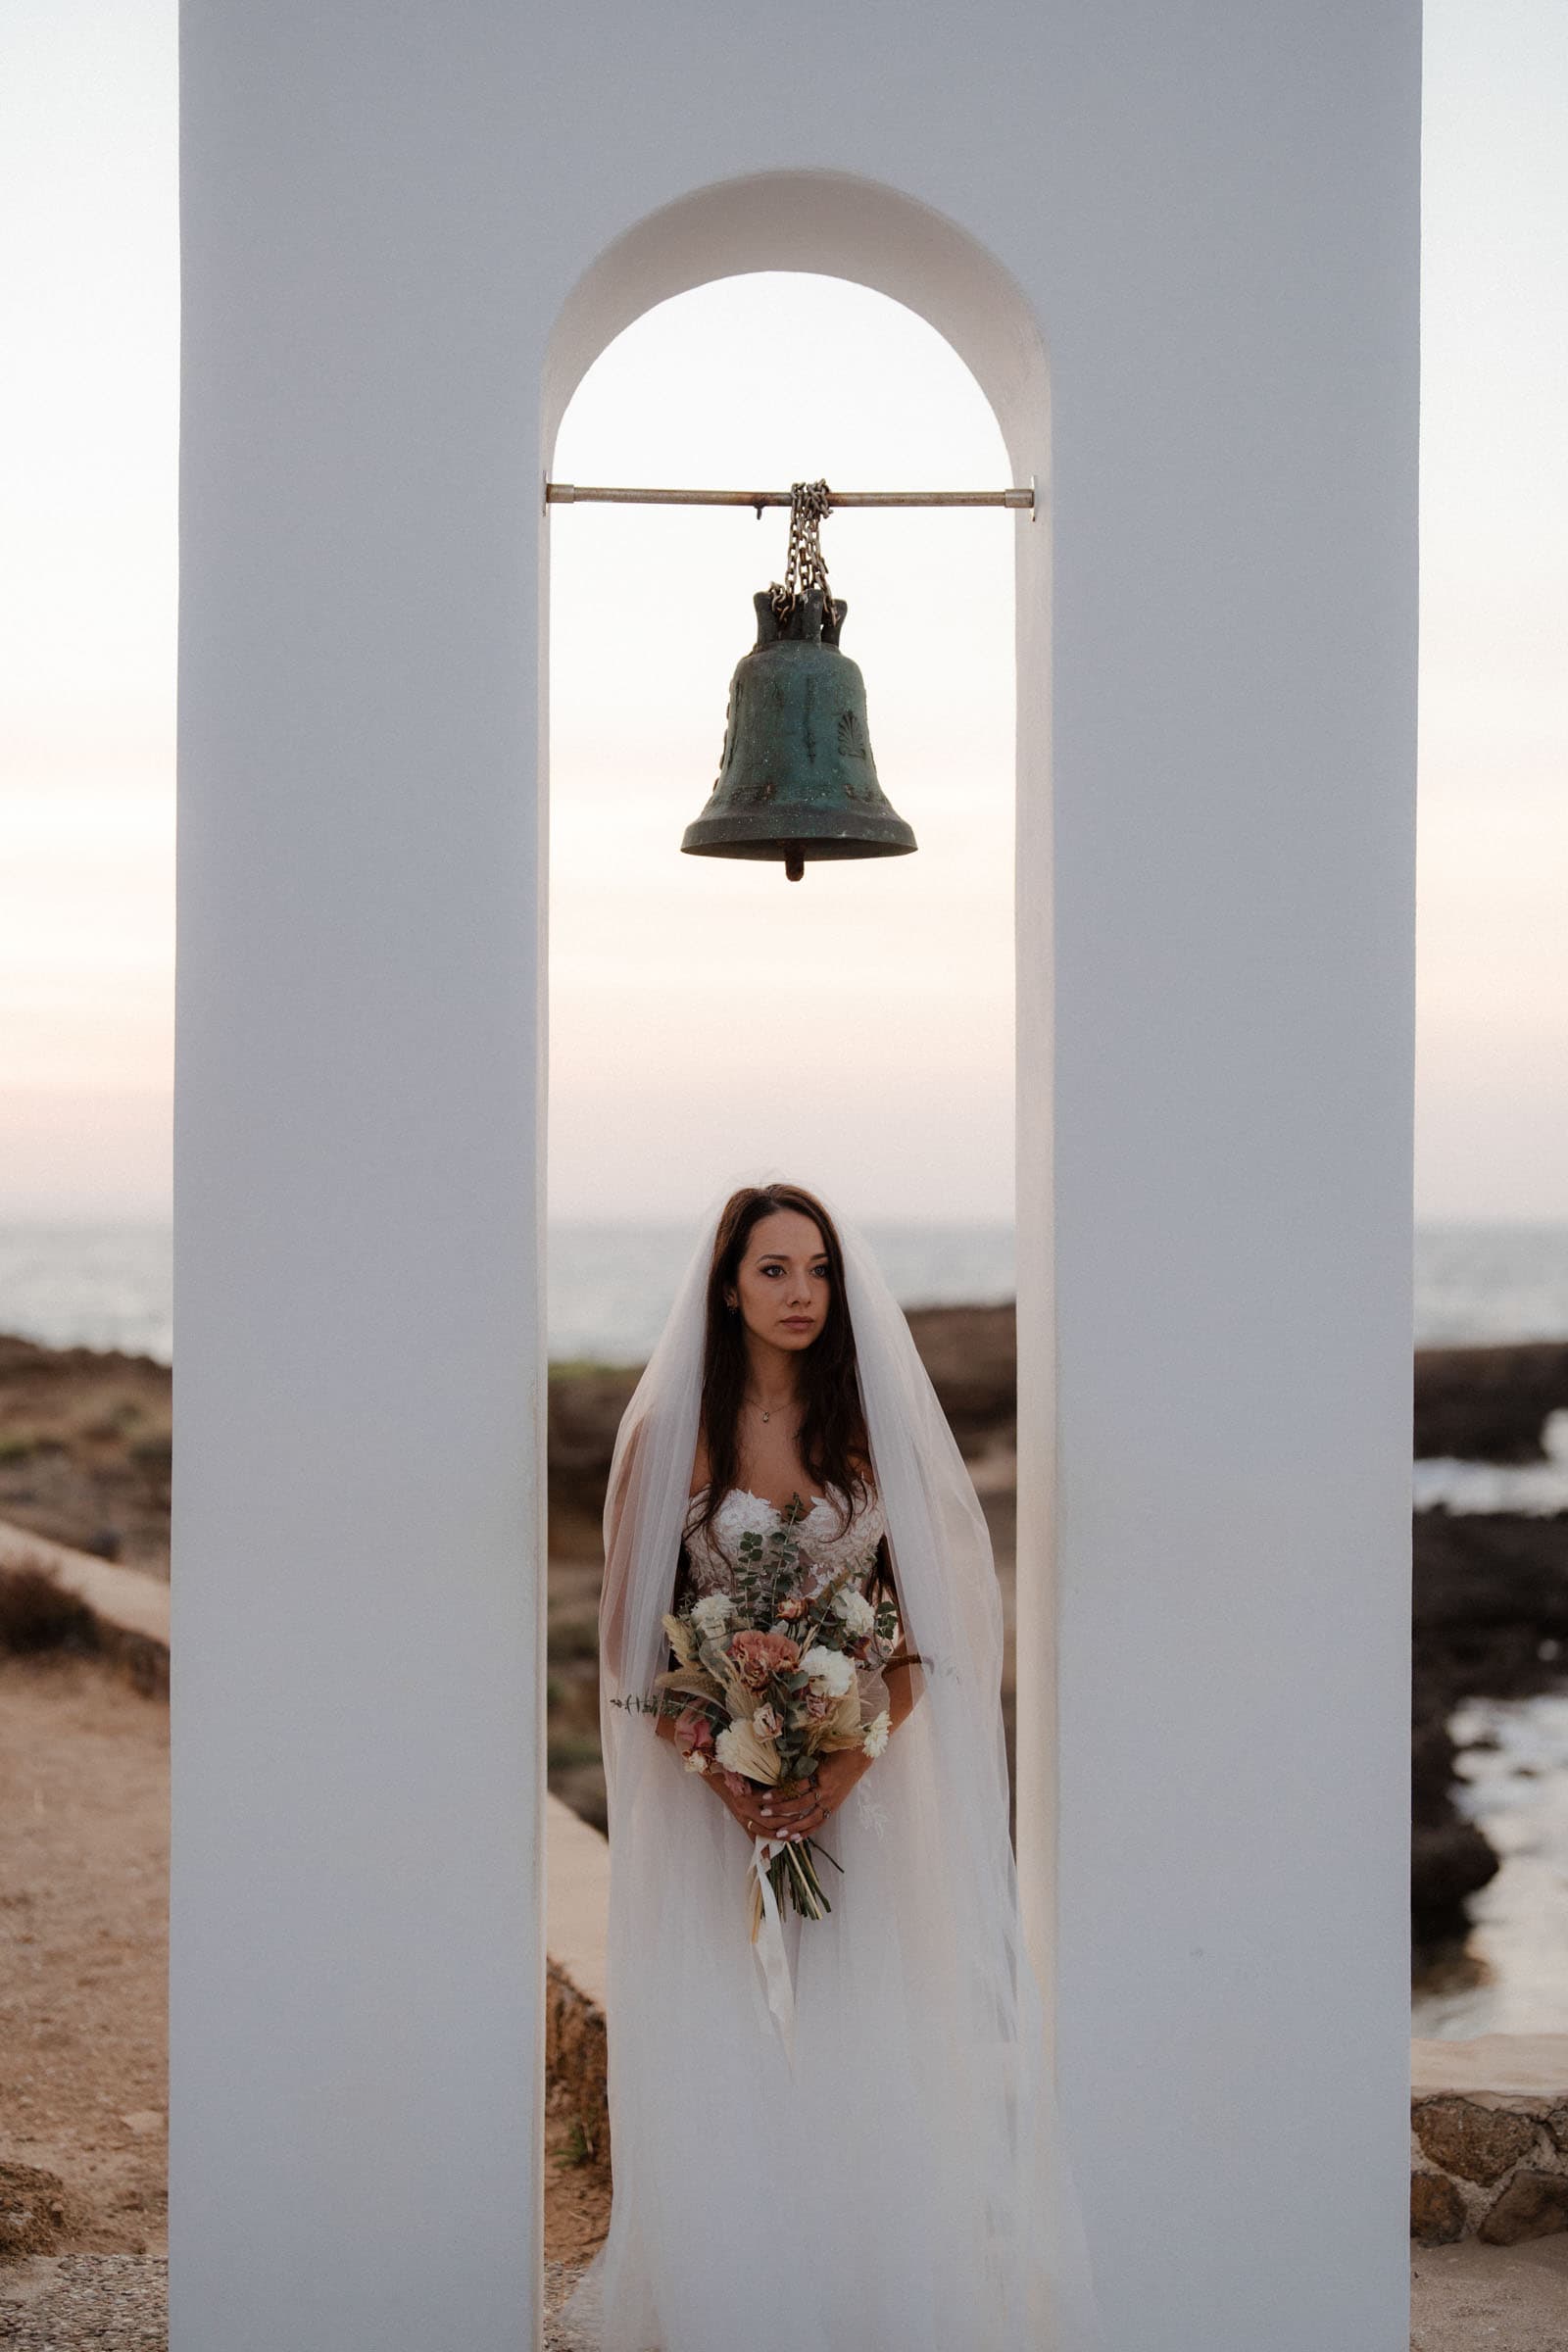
[1513, 2298]
[114, 2302]
[120, 2303]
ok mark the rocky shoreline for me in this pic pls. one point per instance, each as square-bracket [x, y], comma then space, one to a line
[1490, 1602]
[85, 1458]
[1490, 1621]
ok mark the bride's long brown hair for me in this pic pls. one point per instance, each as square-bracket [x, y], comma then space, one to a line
[832, 1439]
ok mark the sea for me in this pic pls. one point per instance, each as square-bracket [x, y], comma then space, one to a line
[610, 1285]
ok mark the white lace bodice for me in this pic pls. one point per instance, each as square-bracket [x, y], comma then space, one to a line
[824, 1551]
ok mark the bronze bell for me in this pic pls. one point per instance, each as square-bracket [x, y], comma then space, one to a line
[797, 780]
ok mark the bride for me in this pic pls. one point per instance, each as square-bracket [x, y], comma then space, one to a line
[837, 2130]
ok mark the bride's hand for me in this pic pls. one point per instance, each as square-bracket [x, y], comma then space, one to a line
[741, 1798]
[764, 1812]
[836, 1775]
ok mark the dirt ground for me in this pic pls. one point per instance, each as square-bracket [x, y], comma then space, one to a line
[85, 1943]
[1476, 2298]
[84, 1961]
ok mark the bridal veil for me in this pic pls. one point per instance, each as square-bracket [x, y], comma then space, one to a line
[905, 2183]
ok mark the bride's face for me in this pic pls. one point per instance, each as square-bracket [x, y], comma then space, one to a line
[784, 1281]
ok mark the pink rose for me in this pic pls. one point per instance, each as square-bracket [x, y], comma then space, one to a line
[758, 1657]
[769, 1722]
[694, 1732]
[818, 1706]
[792, 1608]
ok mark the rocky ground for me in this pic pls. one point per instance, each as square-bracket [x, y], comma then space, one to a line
[85, 1454]
[84, 1457]
[85, 1446]
[85, 1449]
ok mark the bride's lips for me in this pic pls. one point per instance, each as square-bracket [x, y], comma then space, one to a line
[798, 1322]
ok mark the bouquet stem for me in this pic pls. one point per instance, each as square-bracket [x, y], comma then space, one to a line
[793, 1875]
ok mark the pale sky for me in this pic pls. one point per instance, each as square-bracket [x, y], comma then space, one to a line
[660, 963]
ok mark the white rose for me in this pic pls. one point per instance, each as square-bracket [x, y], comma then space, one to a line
[697, 1761]
[830, 1671]
[855, 1610]
[875, 1737]
[712, 1614]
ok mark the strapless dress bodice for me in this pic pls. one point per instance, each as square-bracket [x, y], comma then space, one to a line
[824, 1551]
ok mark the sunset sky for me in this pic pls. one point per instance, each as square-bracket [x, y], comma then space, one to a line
[661, 965]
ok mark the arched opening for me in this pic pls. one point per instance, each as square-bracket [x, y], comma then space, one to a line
[658, 600]
[710, 1012]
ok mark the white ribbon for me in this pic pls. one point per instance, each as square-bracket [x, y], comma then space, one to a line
[769, 1944]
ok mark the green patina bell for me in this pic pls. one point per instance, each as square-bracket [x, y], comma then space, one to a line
[797, 780]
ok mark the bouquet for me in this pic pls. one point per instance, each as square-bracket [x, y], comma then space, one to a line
[775, 1675]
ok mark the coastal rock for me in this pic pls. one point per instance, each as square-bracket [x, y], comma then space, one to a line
[1450, 1857]
[1488, 1589]
[971, 1353]
[1448, 1861]
[1489, 1404]
[1489, 1619]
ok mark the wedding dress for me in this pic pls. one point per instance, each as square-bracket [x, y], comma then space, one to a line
[892, 2178]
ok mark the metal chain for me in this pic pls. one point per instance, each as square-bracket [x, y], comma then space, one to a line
[810, 503]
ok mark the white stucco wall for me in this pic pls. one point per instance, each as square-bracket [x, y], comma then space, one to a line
[407, 228]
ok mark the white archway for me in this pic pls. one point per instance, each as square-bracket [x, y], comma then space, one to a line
[405, 235]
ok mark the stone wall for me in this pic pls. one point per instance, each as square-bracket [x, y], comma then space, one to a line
[1492, 2165]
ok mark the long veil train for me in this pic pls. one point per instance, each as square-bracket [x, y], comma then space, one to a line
[907, 2185]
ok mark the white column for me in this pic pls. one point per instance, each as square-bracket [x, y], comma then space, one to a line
[356, 1971]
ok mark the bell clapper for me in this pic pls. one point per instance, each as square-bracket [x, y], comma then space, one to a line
[794, 866]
